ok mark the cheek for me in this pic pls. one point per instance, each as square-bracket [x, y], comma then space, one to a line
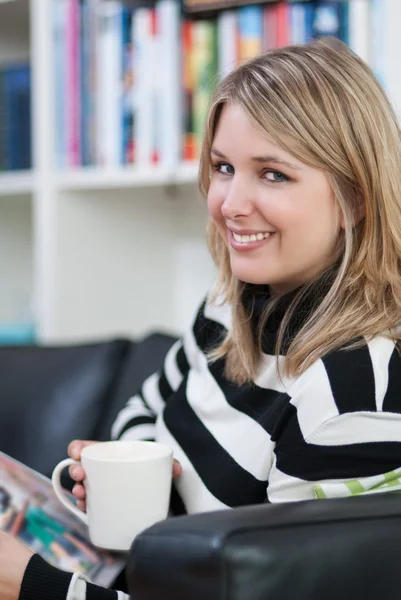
[214, 204]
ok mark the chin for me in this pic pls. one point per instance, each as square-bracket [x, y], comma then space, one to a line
[250, 277]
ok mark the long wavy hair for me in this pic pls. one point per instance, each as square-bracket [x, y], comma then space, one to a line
[321, 103]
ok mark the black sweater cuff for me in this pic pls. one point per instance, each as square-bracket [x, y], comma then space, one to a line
[44, 581]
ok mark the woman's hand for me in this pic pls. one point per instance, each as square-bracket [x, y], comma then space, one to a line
[77, 473]
[14, 558]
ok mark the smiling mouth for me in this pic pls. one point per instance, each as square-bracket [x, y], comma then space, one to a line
[253, 237]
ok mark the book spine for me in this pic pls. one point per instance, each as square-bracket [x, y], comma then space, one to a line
[326, 20]
[109, 75]
[309, 16]
[18, 114]
[168, 14]
[270, 13]
[153, 82]
[377, 33]
[283, 24]
[359, 27]
[250, 31]
[205, 54]
[297, 24]
[127, 104]
[344, 9]
[3, 123]
[85, 89]
[59, 69]
[227, 34]
[92, 76]
[24, 115]
[143, 64]
[72, 87]
[188, 87]
[11, 134]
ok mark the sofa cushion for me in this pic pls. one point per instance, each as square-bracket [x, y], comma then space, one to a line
[338, 549]
[142, 359]
[51, 395]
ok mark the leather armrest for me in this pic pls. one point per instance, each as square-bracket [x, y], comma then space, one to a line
[333, 549]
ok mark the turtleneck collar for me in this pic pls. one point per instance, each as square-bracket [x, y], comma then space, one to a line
[255, 299]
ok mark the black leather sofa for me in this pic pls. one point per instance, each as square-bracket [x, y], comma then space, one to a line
[342, 549]
[51, 395]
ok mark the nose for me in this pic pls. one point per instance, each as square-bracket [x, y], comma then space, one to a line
[238, 199]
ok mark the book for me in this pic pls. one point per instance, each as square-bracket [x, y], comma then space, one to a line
[250, 31]
[59, 68]
[227, 35]
[85, 82]
[269, 26]
[17, 94]
[206, 73]
[30, 511]
[327, 19]
[146, 41]
[169, 93]
[72, 88]
[188, 144]
[3, 124]
[283, 24]
[109, 79]
[127, 92]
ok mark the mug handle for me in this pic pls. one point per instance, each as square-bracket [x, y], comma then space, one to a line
[60, 493]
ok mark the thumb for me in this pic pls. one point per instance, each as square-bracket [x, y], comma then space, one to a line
[177, 469]
[75, 448]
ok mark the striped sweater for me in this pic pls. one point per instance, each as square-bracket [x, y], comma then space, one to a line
[277, 440]
[334, 430]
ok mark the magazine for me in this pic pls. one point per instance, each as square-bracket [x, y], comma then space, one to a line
[30, 511]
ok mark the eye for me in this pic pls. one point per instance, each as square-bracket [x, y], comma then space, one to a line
[223, 168]
[276, 176]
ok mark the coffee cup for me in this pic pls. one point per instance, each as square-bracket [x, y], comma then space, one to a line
[127, 485]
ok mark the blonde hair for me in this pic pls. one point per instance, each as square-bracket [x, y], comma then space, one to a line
[321, 103]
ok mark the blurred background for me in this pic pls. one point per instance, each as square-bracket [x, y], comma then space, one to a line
[102, 103]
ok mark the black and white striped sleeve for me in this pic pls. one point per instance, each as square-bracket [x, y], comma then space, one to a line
[341, 432]
[136, 421]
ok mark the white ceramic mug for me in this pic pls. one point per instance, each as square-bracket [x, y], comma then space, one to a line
[127, 487]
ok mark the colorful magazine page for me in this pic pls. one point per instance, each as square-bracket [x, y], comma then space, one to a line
[30, 511]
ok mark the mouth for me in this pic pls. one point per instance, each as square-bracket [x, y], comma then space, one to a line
[249, 240]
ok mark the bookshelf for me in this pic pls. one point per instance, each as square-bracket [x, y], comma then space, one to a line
[96, 252]
[17, 183]
[109, 251]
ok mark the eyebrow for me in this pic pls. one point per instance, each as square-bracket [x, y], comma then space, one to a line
[261, 159]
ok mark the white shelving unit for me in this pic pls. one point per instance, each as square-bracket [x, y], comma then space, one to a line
[93, 253]
[96, 253]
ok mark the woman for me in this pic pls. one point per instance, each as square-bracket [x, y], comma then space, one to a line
[288, 385]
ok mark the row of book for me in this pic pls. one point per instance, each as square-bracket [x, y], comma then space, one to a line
[15, 117]
[132, 84]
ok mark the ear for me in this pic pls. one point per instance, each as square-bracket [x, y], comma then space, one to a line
[359, 212]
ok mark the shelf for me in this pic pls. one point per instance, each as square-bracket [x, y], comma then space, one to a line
[16, 183]
[93, 178]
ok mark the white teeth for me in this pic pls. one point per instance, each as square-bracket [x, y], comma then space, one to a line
[254, 237]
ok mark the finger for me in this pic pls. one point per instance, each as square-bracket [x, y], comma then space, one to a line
[75, 448]
[81, 505]
[79, 492]
[76, 473]
[177, 469]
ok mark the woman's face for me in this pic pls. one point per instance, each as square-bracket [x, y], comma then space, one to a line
[277, 215]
